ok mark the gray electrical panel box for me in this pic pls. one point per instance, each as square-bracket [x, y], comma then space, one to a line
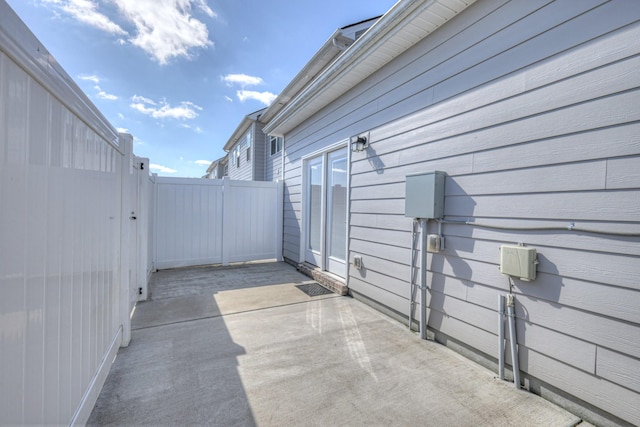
[424, 195]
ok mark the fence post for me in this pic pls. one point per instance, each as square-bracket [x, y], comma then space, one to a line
[279, 218]
[126, 143]
[154, 219]
[227, 219]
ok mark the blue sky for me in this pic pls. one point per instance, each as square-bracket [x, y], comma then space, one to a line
[180, 75]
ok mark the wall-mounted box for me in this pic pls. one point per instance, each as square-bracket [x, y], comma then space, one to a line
[424, 195]
[518, 261]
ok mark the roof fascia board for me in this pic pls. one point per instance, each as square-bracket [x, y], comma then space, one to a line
[244, 125]
[312, 68]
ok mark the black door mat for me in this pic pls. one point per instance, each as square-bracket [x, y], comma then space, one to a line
[314, 289]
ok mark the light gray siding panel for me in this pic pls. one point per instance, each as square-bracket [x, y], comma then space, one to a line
[610, 333]
[381, 295]
[479, 339]
[619, 368]
[599, 267]
[260, 171]
[571, 177]
[474, 131]
[244, 170]
[593, 389]
[623, 173]
[555, 239]
[621, 141]
[587, 206]
[380, 250]
[273, 162]
[383, 266]
[569, 350]
[388, 237]
[475, 315]
[378, 170]
[391, 284]
[391, 222]
[383, 206]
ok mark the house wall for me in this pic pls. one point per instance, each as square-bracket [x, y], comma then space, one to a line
[259, 153]
[532, 109]
[61, 286]
[273, 169]
[256, 168]
[245, 170]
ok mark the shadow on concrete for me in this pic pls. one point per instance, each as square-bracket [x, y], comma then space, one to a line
[183, 373]
[182, 364]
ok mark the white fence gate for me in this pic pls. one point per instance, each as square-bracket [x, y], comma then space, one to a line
[201, 221]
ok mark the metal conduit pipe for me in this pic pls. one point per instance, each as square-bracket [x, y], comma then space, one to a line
[570, 227]
[512, 339]
[501, 337]
[423, 278]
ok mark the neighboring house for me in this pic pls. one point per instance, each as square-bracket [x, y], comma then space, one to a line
[532, 110]
[218, 169]
[250, 152]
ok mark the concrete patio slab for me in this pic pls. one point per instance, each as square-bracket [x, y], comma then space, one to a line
[266, 355]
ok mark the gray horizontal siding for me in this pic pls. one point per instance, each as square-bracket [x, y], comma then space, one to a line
[273, 162]
[259, 158]
[533, 110]
[243, 171]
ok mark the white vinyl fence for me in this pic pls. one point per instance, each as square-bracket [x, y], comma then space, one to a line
[71, 255]
[201, 221]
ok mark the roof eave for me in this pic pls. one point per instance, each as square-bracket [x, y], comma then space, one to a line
[359, 61]
[244, 125]
[312, 68]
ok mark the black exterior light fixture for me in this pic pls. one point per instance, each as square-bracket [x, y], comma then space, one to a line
[359, 143]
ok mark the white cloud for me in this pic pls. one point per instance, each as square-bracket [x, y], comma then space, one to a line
[104, 95]
[203, 162]
[242, 79]
[122, 130]
[87, 11]
[162, 109]
[228, 98]
[121, 116]
[138, 98]
[265, 97]
[94, 79]
[162, 169]
[164, 29]
[204, 7]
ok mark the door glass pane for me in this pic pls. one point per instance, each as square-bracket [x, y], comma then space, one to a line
[338, 188]
[315, 205]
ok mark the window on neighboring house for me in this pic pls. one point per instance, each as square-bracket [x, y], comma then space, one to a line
[237, 155]
[233, 157]
[226, 169]
[276, 144]
[248, 147]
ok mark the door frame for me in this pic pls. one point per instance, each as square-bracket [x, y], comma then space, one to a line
[305, 205]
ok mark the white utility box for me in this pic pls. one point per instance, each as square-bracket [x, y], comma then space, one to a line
[424, 195]
[518, 261]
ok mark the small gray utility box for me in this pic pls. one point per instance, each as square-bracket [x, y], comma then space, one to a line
[424, 195]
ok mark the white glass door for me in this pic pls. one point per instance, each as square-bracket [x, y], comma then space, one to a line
[326, 211]
[315, 207]
[336, 229]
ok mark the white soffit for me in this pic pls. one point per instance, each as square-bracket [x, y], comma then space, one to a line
[406, 23]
